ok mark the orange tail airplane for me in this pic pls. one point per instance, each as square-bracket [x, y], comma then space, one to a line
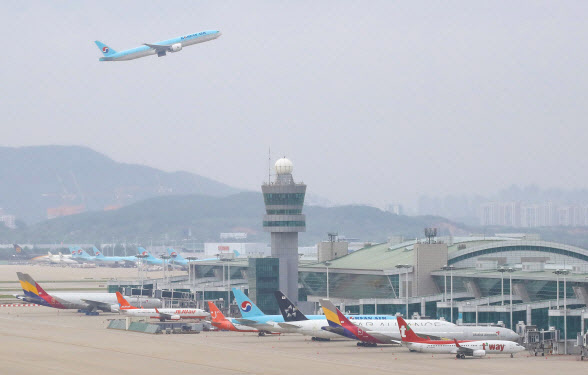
[219, 321]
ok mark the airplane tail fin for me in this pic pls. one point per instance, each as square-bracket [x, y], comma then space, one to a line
[215, 314]
[406, 333]
[289, 311]
[20, 252]
[174, 254]
[106, 51]
[246, 306]
[339, 323]
[123, 303]
[142, 251]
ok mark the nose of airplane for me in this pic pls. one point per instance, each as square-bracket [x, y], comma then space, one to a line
[218, 33]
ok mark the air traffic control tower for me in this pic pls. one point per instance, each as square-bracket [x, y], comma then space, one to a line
[283, 218]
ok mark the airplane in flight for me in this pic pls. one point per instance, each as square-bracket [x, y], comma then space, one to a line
[461, 348]
[162, 314]
[373, 332]
[86, 302]
[159, 48]
[219, 321]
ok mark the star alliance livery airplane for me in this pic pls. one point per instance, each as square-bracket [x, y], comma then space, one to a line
[159, 48]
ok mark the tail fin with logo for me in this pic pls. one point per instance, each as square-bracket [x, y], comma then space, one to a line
[246, 306]
[35, 293]
[97, 252]
[343, 326]
[289, 311]
[215, 314]
[143, 251]
[123, 303]
[175, 255]
[106, 51]
[406, 333]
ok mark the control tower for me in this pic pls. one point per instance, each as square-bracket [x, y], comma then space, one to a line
[283, 218]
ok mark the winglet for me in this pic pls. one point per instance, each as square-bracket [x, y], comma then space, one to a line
[456, 343]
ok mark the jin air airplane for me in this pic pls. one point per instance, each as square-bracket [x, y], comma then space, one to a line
[159, 48]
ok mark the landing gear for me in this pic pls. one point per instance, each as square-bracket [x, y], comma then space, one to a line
[261, 333]
[319, 339]
[367, 344]
[511, 356]
[460, 356]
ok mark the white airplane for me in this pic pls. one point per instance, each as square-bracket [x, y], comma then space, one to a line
[162, 314]
[385, 331]
[461, 349]
[88, 302]
[54, 259]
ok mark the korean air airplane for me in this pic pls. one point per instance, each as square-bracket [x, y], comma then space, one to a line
[159, 48]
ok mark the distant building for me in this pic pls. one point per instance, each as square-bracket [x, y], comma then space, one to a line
[8, 220]
[532, 215]
[395, 209]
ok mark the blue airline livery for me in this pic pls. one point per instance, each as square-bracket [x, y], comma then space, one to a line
[254, 317]
[159, 48]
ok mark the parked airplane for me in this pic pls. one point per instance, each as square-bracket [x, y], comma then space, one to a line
[88, 302]
[375, 332]
[115, 261]
[162, 314]
[21, 254]
[151, 260]
[54, 259]
[296, 322]
[177, 259]
[461, 348]
[219, 321]
[159, 48]
[78, 254]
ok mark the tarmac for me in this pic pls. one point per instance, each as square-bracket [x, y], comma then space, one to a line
[37, 340]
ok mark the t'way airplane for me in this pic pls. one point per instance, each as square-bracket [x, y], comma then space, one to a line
[219, 321]
[159, 48]
[162, 314]
[461, 348]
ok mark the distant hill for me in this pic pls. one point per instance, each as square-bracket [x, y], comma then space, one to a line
[41, 177]
[204, 217]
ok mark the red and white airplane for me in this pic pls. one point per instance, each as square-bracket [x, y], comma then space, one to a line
[162, 314]
[461, 348]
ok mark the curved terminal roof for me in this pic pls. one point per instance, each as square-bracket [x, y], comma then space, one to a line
[385, 257]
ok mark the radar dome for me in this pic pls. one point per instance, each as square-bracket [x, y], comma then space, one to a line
[284, 166]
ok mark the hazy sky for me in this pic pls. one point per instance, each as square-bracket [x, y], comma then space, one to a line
[374, 101]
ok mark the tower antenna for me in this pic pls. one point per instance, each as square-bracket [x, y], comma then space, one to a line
[269, 165]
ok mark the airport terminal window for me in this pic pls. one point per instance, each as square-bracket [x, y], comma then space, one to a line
[284, 223]
[284, 199]
[284, 212]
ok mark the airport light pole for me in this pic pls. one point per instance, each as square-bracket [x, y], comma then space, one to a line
[141, 258]
[450, 269]
[510, 271]
[557, 273]
[502, 270]
[327, 264]
[564, 273]
[405, 266]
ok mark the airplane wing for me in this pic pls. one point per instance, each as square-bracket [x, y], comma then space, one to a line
[97, 305]
[462, 350]
[255, 324]
[288, 325]
[157, 47]
[246, 322]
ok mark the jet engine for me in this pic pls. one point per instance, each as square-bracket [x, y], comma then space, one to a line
[175, 317]
[115, 308]
[479, 353]
[176, 47]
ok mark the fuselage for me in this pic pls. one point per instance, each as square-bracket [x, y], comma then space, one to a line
[181, 313]
[437, 328]
[449, 347]
[142, 51]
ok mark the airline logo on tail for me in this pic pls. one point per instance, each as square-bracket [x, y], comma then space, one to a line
[105, 49]
[173, 254]
[18, 249]
[246, 306]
